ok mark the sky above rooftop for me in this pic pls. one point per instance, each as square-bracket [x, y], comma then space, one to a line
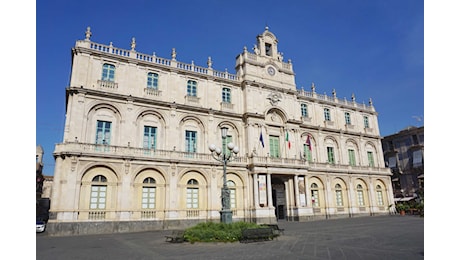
[372, 49]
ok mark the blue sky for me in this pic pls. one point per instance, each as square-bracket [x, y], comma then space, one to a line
[374, 49]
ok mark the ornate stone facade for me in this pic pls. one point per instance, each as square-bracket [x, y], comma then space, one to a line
[138, 127]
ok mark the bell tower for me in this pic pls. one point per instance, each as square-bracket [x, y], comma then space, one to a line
[265, 63]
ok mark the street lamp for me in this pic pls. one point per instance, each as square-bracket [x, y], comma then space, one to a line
[222, 156]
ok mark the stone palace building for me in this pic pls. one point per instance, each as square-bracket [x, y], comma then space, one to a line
[134, 154]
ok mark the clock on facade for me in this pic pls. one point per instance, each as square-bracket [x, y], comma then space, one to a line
[271, 71]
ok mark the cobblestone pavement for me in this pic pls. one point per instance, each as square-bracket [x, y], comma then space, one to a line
[377, 237]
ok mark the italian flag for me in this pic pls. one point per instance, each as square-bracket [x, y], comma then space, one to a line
[287, 140]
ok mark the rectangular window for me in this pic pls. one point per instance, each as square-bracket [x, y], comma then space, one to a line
[315, 198]
[304, 110]
[191, 88]
[392, 162]
[338, 198]
[150, 136]
[379, 198]
[103, 132]
[347, 118]
[407, 142]
[307, 152]
[360, 198]
[148, 197]
[108, 72]
[330, 155]
[391, 147]
[370, 159]
[98, 197]
[274, 146]
[417, 158]
[192, 198]
[226, 95]
[327, 114]
[232, 198]
[190, 141]
[152, 80]
[366, 122]
[351, 157]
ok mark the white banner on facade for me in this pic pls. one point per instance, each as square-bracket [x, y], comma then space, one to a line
[302, 192]
[262, 190]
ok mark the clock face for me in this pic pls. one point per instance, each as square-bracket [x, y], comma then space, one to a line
[271, 71]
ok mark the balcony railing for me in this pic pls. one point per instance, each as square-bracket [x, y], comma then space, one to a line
[112, 151]
[152, 92]
[333, 99]
[226, 105]
[107, 84]
[110, 49]
[192, 99]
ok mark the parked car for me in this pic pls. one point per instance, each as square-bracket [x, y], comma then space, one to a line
[41, 226]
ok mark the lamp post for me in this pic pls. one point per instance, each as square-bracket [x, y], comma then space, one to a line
[222, 156]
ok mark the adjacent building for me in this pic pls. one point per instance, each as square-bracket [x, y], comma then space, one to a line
[403, 153]
[42, 185]
[135, 150]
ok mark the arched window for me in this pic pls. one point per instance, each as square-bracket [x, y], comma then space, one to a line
[108, 72]
[379, 195]
[232, 187]
[360, 192]
[192, 199]
[99, 178]
[148, 193]
[338, 195]
[191, 88]
[98, 192]
[314, 195]
[152, 80]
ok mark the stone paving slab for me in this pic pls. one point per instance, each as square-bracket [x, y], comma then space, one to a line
[374, 237]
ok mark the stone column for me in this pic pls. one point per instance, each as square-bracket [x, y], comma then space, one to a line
[269, 190]
[296, 191]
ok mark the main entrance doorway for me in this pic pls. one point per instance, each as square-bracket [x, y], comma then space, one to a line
[279, 197]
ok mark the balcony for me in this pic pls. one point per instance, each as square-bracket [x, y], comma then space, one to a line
[152, 92]
[194, 100]
[349, 127]
[368, 130]
[107, 84]
[306, 119]
[226, 106]
[253, 163]
[328, 123]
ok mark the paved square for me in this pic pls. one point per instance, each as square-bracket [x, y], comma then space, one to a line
[377, 237]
